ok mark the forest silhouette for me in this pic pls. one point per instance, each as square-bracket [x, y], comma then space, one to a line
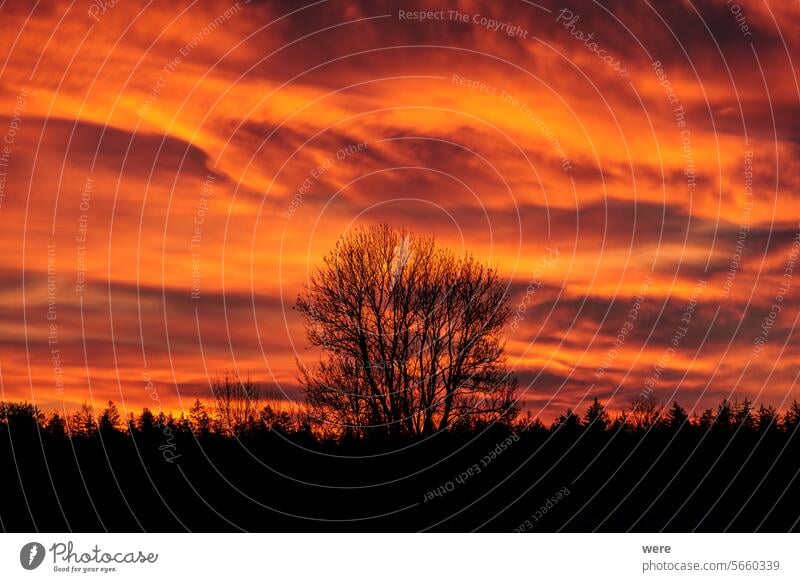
[411, 422]
[642, 469]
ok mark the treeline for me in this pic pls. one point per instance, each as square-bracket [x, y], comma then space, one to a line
[230, 463]
[202, 420]
[646, 414]
[239, 415]
[238, 407]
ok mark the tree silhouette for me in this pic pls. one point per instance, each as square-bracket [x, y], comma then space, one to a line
[82, 422]
[644, 413]
[596, 418]
[677, 417]
[743, 414]
[767, 418]
[199, 418]
[56, 426]
[706, 420]
[792, 416]
[411, 336]
[109, 419]
[568, 423]
[236, 402]
[749, 463]
[146, 422]
[21, 417]
[725, 416]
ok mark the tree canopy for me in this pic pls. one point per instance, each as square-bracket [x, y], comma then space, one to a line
[411, 336]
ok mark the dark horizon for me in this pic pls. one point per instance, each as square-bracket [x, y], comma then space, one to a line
[734, 471]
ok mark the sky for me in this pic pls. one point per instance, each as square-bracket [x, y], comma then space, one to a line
[171, 173]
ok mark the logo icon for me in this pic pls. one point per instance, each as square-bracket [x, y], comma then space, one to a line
[31, 555]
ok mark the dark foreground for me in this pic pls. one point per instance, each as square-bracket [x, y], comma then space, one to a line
[568, 478]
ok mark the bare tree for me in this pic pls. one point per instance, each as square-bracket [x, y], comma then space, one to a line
[237, 402]
[645, 412]
[411, 336]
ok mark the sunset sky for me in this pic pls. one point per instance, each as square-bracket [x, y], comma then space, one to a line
[170, 173]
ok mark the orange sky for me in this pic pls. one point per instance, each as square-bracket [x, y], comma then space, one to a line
[154, 151]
